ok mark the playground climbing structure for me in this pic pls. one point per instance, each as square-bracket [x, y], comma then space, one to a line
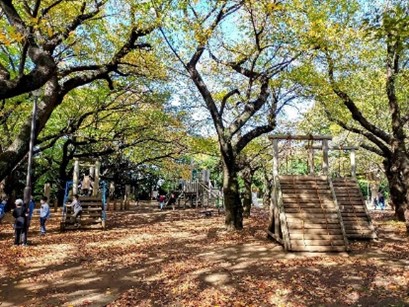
[93, 206]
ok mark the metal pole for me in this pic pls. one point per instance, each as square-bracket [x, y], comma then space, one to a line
[27, 189]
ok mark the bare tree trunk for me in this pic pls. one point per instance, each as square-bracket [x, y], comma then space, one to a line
[397, 172]
[268, 188]
[234, 209]
[247, 177]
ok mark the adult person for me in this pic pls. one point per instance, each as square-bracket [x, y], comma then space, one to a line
[381, 200]
[20, 223]
[44, 214]
[2, 209]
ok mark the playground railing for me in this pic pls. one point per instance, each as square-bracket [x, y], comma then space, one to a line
[68, 186]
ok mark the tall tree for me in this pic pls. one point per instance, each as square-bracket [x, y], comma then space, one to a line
[70, 44]
[360, 75]
[233, 51]
[94, 123]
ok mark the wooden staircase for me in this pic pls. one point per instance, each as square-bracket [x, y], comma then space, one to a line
[92, 214]
[311, 219]
[357, 222]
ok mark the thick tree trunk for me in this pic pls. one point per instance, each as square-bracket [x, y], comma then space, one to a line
[19, 148]
[268, 201]
[247, 193]
[397, 173]
[234, 209]
[268, 189]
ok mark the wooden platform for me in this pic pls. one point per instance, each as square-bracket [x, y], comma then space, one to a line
[310, 219]
[357, 222]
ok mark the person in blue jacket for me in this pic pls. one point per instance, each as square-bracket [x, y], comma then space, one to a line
[44, 214]
[2, 209]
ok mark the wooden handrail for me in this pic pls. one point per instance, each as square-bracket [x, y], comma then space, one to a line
[299, 137]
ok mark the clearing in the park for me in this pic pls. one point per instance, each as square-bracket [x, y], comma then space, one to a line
[148, 257]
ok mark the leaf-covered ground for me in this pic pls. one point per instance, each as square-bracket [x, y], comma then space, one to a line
[181, 258]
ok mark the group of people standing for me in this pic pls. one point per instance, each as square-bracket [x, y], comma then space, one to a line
[23, 214]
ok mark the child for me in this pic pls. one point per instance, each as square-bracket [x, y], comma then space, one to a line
[162, 199]
[44, 214]
[76, 206]
[381, 200]
[172, 200]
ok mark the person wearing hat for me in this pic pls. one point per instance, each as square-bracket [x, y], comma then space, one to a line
[20, 224]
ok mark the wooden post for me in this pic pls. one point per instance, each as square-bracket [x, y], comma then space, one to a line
[325, 162]
[76, 176]
[197, 193]
[353, 164]
[47, 190]
[92, 171]
[95, 189]
[276, 211]
[126, 198]
[275, 158]
[311, 159]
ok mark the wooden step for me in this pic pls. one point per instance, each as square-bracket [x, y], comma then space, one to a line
[315, 236]
[309, 210]
[361, 214]
[319, 187]
[358, 207]
[371, 235]
[316, 231]
[318, 248]
[326, 206]
[354, 199]
[326, 201]
[352, 220]
[317, 202]
[317, 242]
[89, 198]
[322, 221]
[308, 215]
[302, 177]
[91, 205]
[309, 225]
[307, 192]
[355, 225]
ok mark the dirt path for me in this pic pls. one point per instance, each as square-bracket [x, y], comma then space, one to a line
[180, 258]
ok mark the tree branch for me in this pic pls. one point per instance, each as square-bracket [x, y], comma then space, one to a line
[225, 98]
[382, 146]
[349, 103]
